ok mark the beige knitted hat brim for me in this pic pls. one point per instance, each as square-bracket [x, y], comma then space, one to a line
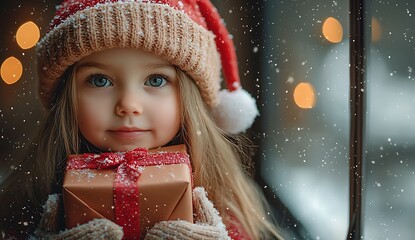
[155, 28]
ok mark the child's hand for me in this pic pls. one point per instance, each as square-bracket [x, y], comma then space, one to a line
[95, 229]
[208, 224]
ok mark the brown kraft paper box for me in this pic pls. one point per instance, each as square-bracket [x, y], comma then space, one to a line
[165, 193]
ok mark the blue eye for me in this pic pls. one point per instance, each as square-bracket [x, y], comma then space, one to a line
[156, 81]
[99, 81]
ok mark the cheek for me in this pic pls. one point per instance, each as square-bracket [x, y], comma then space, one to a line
[169, 114]
[91, 114]
[172, 118]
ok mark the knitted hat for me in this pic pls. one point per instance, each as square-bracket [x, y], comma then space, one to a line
[188, 33]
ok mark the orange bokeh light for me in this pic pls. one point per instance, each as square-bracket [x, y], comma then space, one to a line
[11, 70]
[304, 95]
[376, 30]
[332, 30]
[27, 35]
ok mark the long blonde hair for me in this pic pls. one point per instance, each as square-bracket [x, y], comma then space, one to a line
[41, 169]
[219, 160]
[44, 162]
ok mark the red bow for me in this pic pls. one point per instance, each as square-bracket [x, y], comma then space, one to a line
[129, 166]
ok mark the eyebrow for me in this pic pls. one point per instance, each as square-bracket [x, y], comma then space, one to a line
[159, 65]
[104, 66]
[92, 64]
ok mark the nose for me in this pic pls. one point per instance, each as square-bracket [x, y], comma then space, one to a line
[129, 103]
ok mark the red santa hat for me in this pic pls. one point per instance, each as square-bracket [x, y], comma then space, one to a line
[188, 33]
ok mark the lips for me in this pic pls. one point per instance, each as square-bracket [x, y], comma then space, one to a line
[128, 129]
[127, 133]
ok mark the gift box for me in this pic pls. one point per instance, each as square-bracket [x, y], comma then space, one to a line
[134, 189]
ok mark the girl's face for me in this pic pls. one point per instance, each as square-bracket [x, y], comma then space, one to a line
[127, 98]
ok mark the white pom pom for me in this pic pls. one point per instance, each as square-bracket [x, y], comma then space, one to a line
[236, 111]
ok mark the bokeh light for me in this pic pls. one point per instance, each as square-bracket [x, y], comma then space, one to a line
[304, 95]
[27, 35]
[332, 30]
[376, 30]
[11, 70]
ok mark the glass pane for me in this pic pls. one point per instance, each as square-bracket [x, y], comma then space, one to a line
[306, 112]
[389, 193]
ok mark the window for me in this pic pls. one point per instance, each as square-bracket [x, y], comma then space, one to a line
[305, 100]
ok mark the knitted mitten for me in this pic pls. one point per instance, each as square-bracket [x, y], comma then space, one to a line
[208, 224]
[95, 229]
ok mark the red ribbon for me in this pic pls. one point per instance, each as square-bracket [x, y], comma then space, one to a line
[129, 166]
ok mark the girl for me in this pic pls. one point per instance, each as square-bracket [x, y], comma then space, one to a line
[120, 74]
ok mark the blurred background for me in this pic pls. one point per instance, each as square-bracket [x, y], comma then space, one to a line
[294, 57]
